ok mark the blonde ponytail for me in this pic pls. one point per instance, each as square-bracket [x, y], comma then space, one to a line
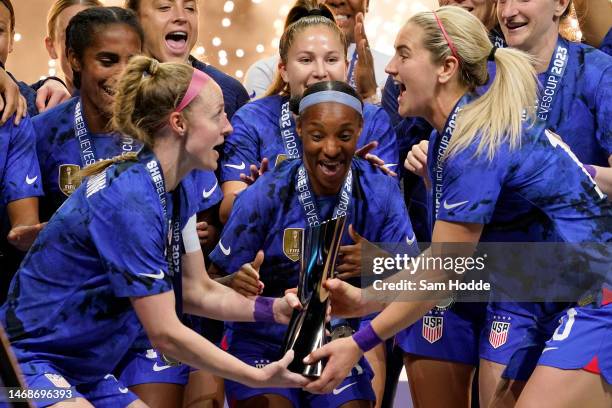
[101, 165]
[497, 116]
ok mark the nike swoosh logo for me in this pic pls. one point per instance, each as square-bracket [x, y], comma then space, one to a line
[339, 390]
[390, 165]
[226, 251]
[159, 275]
[31, 180]
[157, 368]
[548, 349]
[207, 194]
[448, 206]
[410, 241]
[123, 390]
[240, 166]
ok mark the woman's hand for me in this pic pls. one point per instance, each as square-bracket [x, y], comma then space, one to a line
[246, 280]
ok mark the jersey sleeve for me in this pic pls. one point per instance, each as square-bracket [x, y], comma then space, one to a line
[471, 186]
[241, 147]
[378, 127]
[603, 101]
[244, 233]
[206, 192]
[396, 225]
[129, 231]
[22, 177]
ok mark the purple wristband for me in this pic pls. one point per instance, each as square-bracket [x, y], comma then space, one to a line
[591, 170]
[263, 309]
[366, 338]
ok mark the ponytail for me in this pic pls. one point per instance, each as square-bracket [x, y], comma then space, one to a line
[497, 116]
[101, 165]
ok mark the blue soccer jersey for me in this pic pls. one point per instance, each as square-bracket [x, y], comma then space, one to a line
[19, 171]
[69, 305]
[577, 105]
[260, 125]
[268, 216]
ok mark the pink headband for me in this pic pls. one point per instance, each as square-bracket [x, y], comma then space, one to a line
[450, 43]
[198, 80]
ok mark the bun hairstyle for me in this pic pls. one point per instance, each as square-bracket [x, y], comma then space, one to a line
[84, 26]
[339, 86]
[305, 14]
[148, 92]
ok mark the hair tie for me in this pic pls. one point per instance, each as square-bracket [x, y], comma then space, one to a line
[491, 56]
[153, 66]
[450, 43]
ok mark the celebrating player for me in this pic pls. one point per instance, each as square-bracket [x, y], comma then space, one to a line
[268, 220]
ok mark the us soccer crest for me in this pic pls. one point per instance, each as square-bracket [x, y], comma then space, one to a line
[499, 333]
[67, 179]
[433, 327]
[292, 243]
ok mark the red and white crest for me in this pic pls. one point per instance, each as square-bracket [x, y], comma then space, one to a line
[433, 327]
[499, 333]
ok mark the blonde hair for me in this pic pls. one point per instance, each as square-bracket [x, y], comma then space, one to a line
[60, 5]
[497, 116]
[302, 21]
[147, 93]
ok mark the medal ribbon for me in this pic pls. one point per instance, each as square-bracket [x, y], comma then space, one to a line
[287, 131]
[554, 76]
[87, 149]
[307, 198]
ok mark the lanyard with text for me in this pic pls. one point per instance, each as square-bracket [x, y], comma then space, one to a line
[497, 38]
[287, 131]
[440, 144]
[307, 198]
[173, 250]
[554, 76]
[351, 71]
[86, 147]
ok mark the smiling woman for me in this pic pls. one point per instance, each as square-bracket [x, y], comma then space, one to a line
[100, 41]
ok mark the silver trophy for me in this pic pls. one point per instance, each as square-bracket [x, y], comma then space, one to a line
[306, 331]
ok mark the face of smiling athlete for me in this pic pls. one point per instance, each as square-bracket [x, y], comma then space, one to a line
[329, 133]
[170, 28]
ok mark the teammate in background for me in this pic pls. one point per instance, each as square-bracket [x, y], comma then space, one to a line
[366, 71]
[312, 49]
[170, 33]
[59, 16]
[268, 221]
[481, 170]
[64, 306]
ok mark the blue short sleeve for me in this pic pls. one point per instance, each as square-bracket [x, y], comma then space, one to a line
[241, 147]
[21, 170]
[377, 126]
[128, 229]
[244, 233]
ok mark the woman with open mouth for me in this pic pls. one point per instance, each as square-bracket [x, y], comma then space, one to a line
[170, 33]
[268, 221]
[488, 157]
[72, 314]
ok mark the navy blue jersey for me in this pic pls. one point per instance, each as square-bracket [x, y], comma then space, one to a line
[69, 302]
[19, 171]
[268, 215]
[257, 134]
[234, 94]
[606, 44]
[582, 107]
